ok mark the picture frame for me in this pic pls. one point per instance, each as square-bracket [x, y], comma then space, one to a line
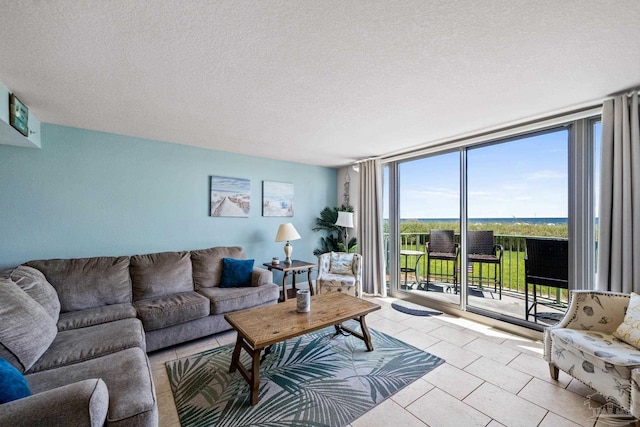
[18, 115]
[230, 197]
[277, 198]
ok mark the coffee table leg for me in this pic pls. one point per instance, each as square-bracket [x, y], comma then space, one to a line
[235, 359]
[255, 377]
[365, 333]
[311, 287]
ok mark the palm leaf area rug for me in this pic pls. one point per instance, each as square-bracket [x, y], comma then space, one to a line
[318, 379]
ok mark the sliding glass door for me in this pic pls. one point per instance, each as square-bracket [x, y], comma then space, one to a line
[466, 224]
[429, 227]
[517, 198]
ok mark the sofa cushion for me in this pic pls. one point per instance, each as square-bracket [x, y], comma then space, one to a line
[165, 273]
[26, 330]
[629, 329]
[77, 345]
[128, 378]
[13, 386]
[95, 316]
[225, 300]
[34, 283]
[84, 283]
[207, 264]
[236, 273]
[158, 313]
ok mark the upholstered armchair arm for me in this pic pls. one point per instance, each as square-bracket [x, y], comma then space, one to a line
[324, 261]
[84, 403]
[261, 276]
[357, 272]
[597, 311]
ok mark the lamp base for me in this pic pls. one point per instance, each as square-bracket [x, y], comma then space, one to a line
[288, 249]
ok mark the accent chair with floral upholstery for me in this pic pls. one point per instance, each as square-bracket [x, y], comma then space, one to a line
[593, 343]
[340, 272]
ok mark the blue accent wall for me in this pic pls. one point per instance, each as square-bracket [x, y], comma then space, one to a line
[87, 193]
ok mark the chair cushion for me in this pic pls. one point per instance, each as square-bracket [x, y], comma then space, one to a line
[26, 330]
[599, 348]
[446, 256]
[83, 283]
[337, 283]
[13, 385]
[611, 381]
[225, 300]
[158, 313]
[236, 273]
[629, 329]
[492, 259]
[336, 280]
[341, 263]
[34, 283]
[77, 345]
[95, 316]
[207, 264]
[165, 273]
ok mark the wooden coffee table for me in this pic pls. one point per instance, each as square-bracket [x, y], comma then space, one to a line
[261, 327]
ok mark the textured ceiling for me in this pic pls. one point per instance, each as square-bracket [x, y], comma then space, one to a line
[317, 82]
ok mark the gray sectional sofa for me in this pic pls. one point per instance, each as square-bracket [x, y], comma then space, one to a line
[79, 329]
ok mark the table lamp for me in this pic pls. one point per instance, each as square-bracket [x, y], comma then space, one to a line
[345, 219]
[285, 233]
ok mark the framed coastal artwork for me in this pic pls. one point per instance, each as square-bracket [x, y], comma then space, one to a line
[230, 196]
[277, 198]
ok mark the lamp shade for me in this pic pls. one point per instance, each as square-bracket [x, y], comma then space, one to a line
[287, 232]
[345, 219]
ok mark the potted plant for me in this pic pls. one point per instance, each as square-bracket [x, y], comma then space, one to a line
[334, 239]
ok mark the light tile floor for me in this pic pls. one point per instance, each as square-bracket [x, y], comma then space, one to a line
[490, 378]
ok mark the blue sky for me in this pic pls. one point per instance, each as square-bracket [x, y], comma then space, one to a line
[523, 178]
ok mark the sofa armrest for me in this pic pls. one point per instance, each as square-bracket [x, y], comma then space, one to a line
[261, 276]
[84, 403]
[597, 311]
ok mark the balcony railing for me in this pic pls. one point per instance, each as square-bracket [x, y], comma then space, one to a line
[513, 276]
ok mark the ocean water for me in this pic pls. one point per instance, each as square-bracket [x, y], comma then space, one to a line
[512, 220]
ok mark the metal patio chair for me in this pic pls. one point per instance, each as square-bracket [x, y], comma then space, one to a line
[441, 246]
[546, 264]
[483, 250]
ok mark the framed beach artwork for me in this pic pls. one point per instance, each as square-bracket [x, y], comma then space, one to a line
[230, 196]
[277, 198]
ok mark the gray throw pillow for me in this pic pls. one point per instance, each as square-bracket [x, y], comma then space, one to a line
[26, 330]
[34, 283]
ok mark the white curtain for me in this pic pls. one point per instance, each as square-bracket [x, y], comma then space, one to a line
[619, 227]
[370, 241]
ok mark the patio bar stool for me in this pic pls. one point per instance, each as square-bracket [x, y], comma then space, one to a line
[483, 250]
[441, 246]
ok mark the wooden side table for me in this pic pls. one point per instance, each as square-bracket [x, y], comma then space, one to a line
[294, 267]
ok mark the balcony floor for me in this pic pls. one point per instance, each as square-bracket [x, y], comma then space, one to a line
[512, 303]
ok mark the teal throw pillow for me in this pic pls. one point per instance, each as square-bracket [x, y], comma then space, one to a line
[13, 385]
[236, 273]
